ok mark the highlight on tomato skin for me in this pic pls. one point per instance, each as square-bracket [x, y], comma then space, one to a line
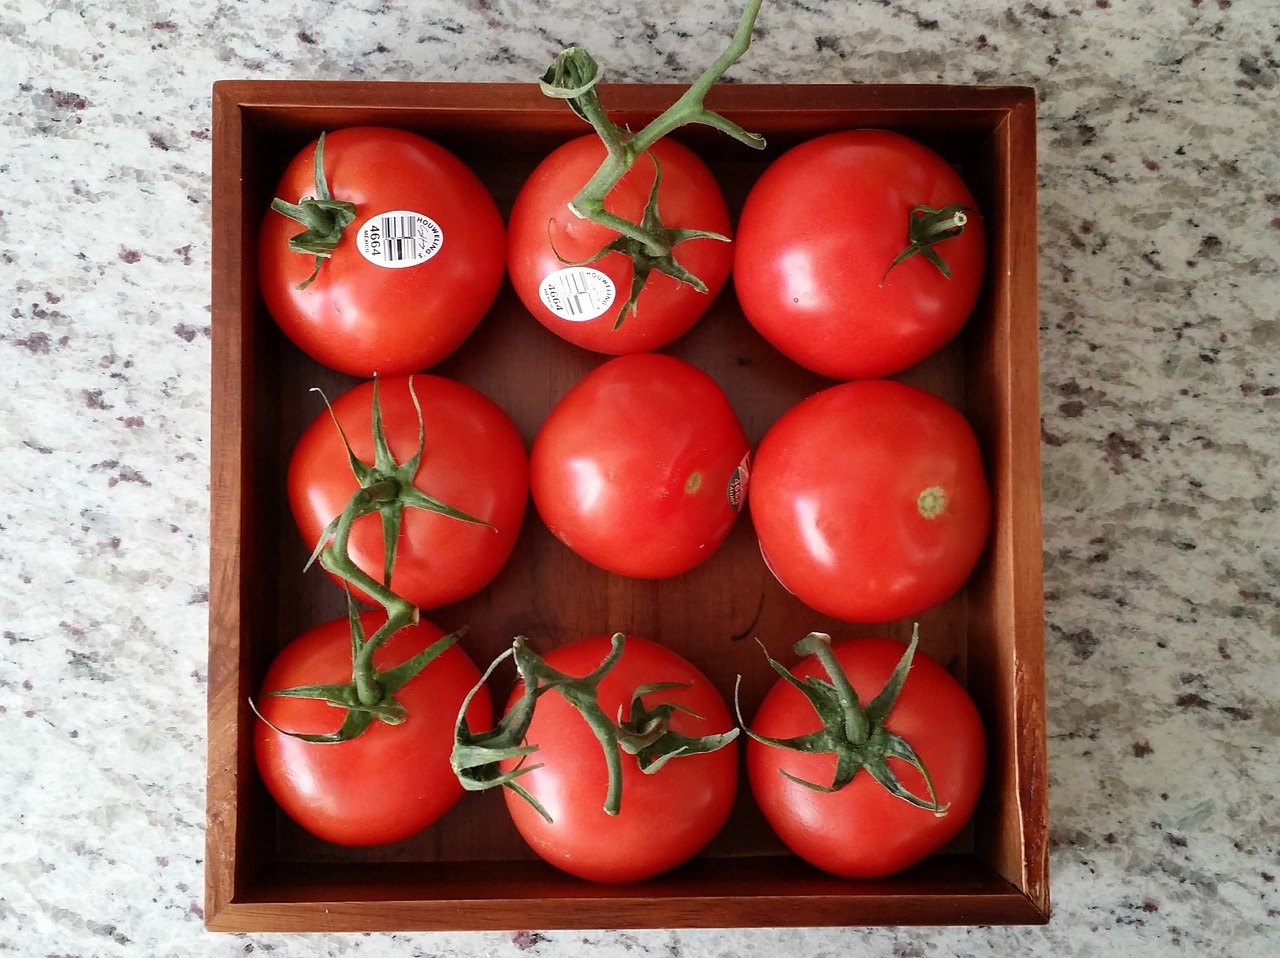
[391, 781]
[399, 275]
[862, 828]
[870, 501]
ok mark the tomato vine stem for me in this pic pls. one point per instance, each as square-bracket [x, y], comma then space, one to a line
[387, 488]
[574, 76]
[646, 733]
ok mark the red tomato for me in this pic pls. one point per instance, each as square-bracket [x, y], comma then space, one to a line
[641, 467]
[474, 460]
[413, 274]
[817, 238]
[667, 816]
[582, 304]
[389, 782]
[870, 501]
[861, 830]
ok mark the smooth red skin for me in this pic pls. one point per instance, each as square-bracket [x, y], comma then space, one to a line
[540, 226]
[391, 781]
[817, 234]
[666, 817]
[834, 490]
[862, 831]
[474, 460]
[610, 467]
[361, 318]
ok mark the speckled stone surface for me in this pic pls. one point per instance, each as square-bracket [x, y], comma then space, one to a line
[1160, 322]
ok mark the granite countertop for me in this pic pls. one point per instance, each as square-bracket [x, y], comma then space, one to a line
[1160, 329]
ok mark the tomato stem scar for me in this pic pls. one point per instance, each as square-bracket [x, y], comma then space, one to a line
[932, 502]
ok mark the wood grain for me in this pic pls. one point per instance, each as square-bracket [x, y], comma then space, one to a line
[471, 870]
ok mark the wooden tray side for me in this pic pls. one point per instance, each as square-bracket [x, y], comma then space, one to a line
[1026, 576]
[228, 552]
[769, 892]
[1006, 600]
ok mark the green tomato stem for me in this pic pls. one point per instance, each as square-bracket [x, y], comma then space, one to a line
[927, 227]
[324, 217]
[856, 727]
[335, 558]
[573, 76]
[689, 107]
[646, 734]
[857, 736]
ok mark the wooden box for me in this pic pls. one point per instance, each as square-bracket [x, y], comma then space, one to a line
[471, 870]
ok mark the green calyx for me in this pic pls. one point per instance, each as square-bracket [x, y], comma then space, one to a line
[645, 734]
[574, 77]
[856, 734]
[647, 256]
[324, 217]
[388, 489]
[370, 694]
[926, 227]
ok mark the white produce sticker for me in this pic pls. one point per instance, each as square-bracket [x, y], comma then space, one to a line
[399, 238]
[737, 491]
[577, 293]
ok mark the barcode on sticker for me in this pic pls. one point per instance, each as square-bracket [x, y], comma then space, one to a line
[577, 293]
[399, 238]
